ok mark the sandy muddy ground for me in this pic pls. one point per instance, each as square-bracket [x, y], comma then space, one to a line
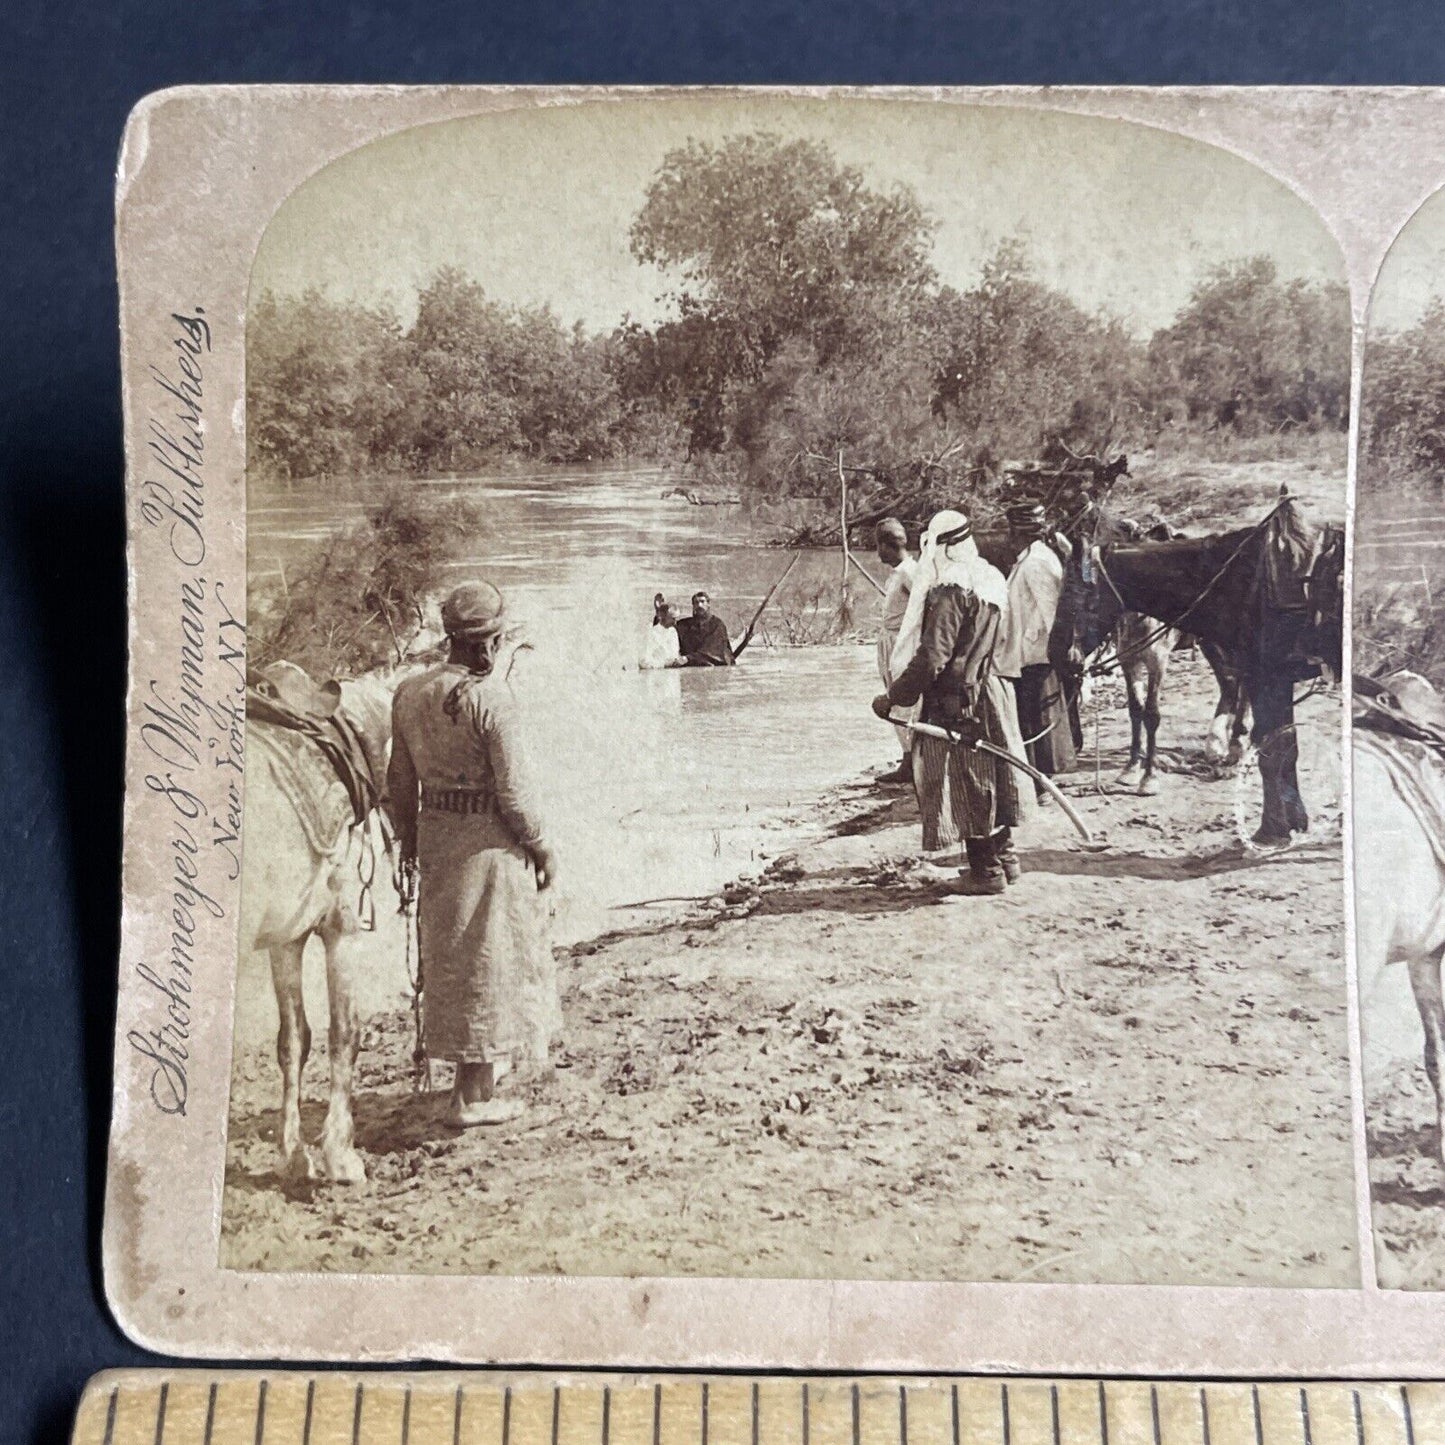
[1131, 1068]
[1407, 1182]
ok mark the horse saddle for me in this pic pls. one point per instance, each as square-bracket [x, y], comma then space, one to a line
[283, 695]
[1403, 703]
[1287, 561]
[293, 690]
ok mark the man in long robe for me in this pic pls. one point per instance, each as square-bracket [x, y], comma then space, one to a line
[702, 639]
[1034, 584]
[463, 804]
[944, 658]
[892, 542]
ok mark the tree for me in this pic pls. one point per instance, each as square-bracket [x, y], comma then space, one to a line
[1250, 353]
[1404, 401]
[1020, 366]
[463, 349]
[570, 409]
[314, 382]
[772, 242]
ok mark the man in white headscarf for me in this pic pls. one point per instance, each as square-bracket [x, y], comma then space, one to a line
[944, 657]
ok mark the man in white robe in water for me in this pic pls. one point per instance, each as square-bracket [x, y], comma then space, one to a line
[892, 542]
[661, 649]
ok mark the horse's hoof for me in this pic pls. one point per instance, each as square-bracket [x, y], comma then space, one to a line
[296, 1166]
[344, 1166]
[1148, 787]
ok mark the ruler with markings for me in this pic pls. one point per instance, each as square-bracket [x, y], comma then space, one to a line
[152, 1407]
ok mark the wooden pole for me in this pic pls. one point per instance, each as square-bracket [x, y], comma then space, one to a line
[873, 582]
[747, 636]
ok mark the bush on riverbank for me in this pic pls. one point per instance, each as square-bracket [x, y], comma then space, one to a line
[358, 599]
[1403, 442]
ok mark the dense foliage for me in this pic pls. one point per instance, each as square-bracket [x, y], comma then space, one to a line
[804, 321]
[335, 387]
[1404, 403]
[1256, 354]
[358, 600]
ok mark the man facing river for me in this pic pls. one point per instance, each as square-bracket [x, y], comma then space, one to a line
[892, 543]
[702, 639]
[463, 804]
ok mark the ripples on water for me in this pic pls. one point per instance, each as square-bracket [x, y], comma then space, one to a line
[1399, 541]
[655, 783]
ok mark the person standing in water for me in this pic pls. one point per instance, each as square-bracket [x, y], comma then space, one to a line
[944, 658]
[1034, 585]
[891, 540]
[462, 802]
[702, 639]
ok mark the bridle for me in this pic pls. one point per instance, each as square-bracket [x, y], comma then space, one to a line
[1096, 557]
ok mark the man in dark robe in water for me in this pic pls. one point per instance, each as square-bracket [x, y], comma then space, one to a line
[702, 639]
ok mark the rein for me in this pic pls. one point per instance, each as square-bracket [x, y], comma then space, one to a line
[407, 891]
[1108, 665]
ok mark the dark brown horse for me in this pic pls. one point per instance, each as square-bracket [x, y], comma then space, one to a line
[1246, 593]
[1143, 647]
[1143, 650]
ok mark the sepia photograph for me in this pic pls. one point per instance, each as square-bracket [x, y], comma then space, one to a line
[1399, 751]
[793, 717]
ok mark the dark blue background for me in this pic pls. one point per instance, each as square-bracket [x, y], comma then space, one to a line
[68, 76]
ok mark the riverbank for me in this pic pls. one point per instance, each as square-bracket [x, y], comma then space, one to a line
[1132, 1068]
[1201, 494]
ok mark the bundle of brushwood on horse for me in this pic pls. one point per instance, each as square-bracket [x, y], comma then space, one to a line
[1068, 484]
[1268, 596]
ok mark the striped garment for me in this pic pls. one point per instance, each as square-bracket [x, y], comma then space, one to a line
[963, 793]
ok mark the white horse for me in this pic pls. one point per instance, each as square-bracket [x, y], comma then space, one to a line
[299, 878]
[1400, 887]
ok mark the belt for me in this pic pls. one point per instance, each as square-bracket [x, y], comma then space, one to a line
[457, 800]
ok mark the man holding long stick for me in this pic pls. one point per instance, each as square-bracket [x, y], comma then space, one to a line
[702, 639]
[944, 657]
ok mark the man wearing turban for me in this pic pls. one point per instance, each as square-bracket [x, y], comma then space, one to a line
[1034, 585]
[463, 804]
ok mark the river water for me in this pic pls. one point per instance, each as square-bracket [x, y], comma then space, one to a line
[655, 783]
[1399, 541]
